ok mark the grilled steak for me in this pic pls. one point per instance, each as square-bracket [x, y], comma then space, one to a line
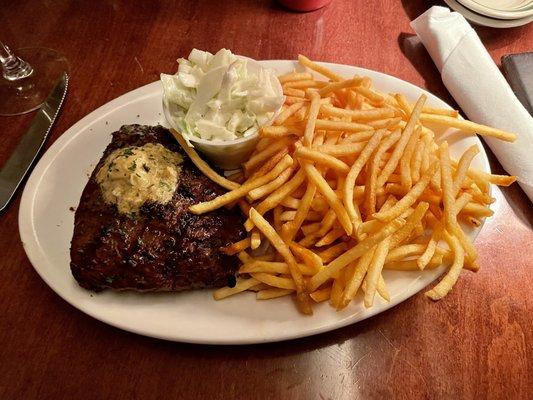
[163, 247]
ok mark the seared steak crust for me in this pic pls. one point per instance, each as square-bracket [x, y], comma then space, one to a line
[164, 247]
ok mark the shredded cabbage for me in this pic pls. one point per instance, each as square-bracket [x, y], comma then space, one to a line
[218, 98]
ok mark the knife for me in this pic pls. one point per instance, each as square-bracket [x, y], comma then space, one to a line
[20, 162]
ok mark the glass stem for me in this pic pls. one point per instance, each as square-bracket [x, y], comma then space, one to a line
[13, 68]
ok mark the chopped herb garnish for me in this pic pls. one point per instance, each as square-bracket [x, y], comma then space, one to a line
[109, 279]
[127, 152]
[146, 168]
[133, 166]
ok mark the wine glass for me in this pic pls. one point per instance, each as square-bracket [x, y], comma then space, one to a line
[28, 77]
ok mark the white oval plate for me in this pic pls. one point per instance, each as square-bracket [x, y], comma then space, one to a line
[46, 226]
[512, 14]
[483, 20]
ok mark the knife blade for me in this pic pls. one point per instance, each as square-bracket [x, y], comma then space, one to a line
[20, 162]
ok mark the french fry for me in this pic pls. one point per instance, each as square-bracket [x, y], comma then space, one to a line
[416, 161]
[273, 267]
[404, 105]
[274, 131]
[382, 289]
[341, 126]
[301, 212]
[468, 126]
[477, 210]
[461, 202]
[341, 149]
[302, 84]
[374, 270]
[255, 240]
[321, 158]
[330, 237]
[347, 83]
[284, 250]
[409, 199]
[309, 258]
[384, 123]
[321, 295]
[241, 286]
[236, 194]
[462, 168]
[269, 187]
[202, 165]
[274, 281]
[244, 257]
[482, 179]
[391, 164]
[288, 216]
[371, 184]
[428, 253]
[332, 252]
[258, 158]
[267, 294]
[311, 228]
[355, 170]
[277, 196]
[287, 113]
[306, 62]
[354, 253]
[449, 204]
[446, 283]
[374, 97]
[440, 111]
[413, 220]
[330, 196]
[291, 202]
[295, 76]
[358, 137]
[405, 160]
[411, 265]
[289, 91]
[312, 118]
[336, 292]
[237, 177]
[355, 281]
[236, 247]
[358, 115]
[293, 99]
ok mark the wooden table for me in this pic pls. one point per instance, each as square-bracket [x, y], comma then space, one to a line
[476, 343]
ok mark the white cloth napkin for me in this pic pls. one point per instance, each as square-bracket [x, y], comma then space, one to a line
[479, 88]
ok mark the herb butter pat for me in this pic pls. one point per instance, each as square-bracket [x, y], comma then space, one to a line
[132, 176]
[221, 97]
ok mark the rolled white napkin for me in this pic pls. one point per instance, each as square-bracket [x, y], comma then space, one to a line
[479, 88]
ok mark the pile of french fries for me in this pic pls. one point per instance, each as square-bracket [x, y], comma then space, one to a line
[348, 182]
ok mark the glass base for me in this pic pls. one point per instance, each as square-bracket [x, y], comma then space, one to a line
[28, 94]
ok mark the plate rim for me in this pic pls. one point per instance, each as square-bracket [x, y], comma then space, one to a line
[484, 20]
[495, 13]
[30, 238]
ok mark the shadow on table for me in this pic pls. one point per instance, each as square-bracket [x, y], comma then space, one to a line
[515, 196]
[413, 49]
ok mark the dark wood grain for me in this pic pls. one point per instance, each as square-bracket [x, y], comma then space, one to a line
[474, 344]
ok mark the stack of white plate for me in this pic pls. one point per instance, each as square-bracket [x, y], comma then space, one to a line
[495, 13]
